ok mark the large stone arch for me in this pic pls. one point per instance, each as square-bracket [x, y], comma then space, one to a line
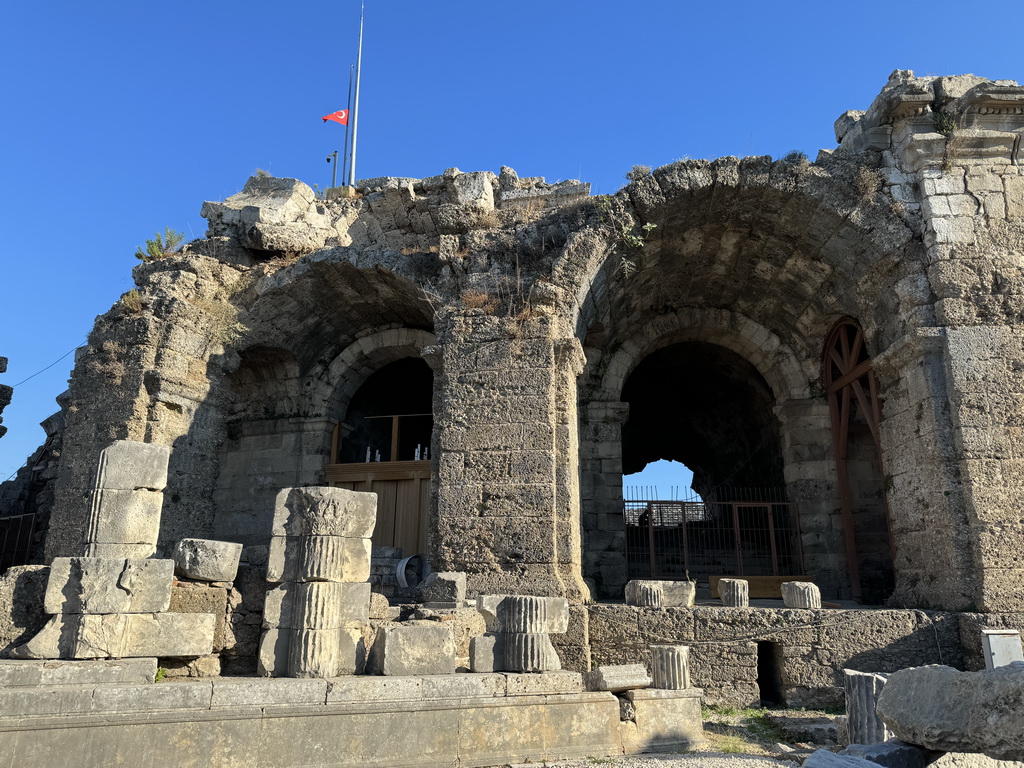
[762, 259]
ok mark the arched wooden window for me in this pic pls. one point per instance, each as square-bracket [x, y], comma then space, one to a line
[856, 410]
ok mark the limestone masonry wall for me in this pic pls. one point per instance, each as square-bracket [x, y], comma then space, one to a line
[572, 339]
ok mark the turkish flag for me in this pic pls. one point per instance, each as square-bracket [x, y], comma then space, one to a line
[341, 116]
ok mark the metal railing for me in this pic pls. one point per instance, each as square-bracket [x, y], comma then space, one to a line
[16, 540]
[732, 532]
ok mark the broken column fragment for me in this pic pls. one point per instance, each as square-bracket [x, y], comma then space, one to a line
[670, 667]
[862, 692]
[521, 626]
[652, 593]
[800, 594]
[320, 558]
[126, 499]
[734, 593]
[617, 678]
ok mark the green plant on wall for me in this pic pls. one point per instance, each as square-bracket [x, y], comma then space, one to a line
[160, 246]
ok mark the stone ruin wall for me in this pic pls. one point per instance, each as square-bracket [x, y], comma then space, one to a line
[248, 345]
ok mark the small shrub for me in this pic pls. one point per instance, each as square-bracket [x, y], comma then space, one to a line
[161, 675]
[160, 246]
[480, 300]
[132, 301]
[944, 122]
[796, 156]
[638, 172]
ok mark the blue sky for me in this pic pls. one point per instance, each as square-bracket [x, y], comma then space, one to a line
[121, 118]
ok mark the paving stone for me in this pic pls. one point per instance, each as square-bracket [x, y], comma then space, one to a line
[101, 585]
[206, 560]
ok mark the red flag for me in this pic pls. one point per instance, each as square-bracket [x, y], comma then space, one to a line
[341, 116]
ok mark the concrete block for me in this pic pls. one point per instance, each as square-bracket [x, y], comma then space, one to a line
[49, 673]
[316, 605]
[124, 517]
[891, 754]
[318, 558]
[618, 677]
[127, 465]
[670, 667]
[121, 635]
[734, 593]
[418, 649]
[801, 594]
[444, 587]
[323, 511]
[206, 560]
[102, 585]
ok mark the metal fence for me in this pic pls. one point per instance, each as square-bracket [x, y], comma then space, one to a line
[731, 532]
[16, 540]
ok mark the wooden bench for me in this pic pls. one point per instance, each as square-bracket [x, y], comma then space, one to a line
[761, 587]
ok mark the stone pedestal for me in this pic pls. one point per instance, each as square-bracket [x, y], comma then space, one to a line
[670, 667]
[862, 692]
[734, 593]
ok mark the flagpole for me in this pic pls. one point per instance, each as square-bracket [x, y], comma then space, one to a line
[348, 106]
[355, 106]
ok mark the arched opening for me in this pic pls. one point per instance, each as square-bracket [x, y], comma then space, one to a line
[856, 412]
[708, 408]
[382, 445]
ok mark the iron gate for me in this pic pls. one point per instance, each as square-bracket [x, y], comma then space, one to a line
[735, 532]
[16, 540]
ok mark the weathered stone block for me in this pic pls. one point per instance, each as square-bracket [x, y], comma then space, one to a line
[46, 673]
[189, 597]
[316, 605]
[670, 667]
[801, 594]
[734, 592]
[667, 720]
[124, 517]
[127, 465]
[101, 585]
[822, 758]
[318, 558]
[943, 709]
[120, 551]
[486, 653]
[418, 649]
[891, 754]
[323, 511]
[618, 678]
[444, 587]
[206, 560]
[379, 606]
[121, 635]
[660, 594]
[22, 589]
